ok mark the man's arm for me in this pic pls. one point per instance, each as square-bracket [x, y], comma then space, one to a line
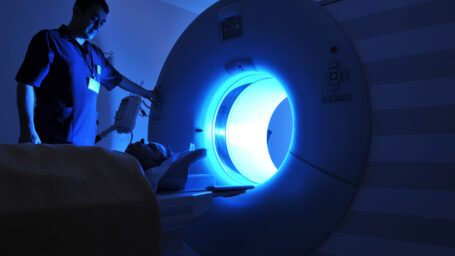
[25, 107]
[131, 86]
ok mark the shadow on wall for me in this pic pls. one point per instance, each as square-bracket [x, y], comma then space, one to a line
[140, 33]
[19, 21]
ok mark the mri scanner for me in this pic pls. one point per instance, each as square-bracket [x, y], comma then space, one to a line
[276, 94]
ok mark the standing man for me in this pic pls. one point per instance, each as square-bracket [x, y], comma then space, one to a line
[61, 74]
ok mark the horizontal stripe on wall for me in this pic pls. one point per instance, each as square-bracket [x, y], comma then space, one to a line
[413, 148]
[419, 203]
[342, 244]
[326, 2]
[350, 9]
[430, 120]
[401, 19]
[428, 176]
[411, 42]
[398, 227]
[412, 68]
[422, 93]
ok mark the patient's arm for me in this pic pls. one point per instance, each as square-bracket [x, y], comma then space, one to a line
[172, 174]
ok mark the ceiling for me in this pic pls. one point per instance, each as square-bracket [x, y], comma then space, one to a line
[195, 6]
[198, 6]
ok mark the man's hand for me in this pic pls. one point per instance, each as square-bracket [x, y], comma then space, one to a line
[130, 86]
[149, 94]
[25, 107]
[29, 137]
[153, 95]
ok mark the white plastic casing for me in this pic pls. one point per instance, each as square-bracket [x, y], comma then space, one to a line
[126, 115]
[298, 43]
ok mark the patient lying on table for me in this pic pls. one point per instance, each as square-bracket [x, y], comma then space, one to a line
[164, 169]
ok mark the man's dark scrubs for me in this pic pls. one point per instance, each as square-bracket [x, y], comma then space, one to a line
[60, 70]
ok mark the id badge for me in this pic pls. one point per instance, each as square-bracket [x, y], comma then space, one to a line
[94, 85]
[98, 69]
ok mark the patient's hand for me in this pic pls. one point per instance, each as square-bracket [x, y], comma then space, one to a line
[177, 171]
[164, 170]
[172, 174]
[150, 155]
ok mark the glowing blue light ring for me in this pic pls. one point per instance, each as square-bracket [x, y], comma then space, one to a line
[234, 82]
[247, 128]
[223, 148]
[208, 114]
[222, 115]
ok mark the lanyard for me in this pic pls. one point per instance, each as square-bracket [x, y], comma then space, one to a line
[90, 66]
[79, 48]
[88, 61]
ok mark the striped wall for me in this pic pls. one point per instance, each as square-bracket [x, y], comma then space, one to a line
[406, 202]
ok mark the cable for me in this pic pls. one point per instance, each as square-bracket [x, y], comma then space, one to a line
[131, 140]
[104, 134]
[149, 107]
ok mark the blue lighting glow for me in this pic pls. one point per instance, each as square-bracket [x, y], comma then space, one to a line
[237, 120]
[247, 126]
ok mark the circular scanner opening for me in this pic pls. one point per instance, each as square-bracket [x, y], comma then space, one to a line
[253, 129]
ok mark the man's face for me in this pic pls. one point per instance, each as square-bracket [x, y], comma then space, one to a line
[90, 21]
[150, 155]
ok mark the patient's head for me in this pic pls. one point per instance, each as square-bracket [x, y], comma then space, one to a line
[148, 155]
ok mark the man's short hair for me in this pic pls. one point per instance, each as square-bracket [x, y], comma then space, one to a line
[84, 5]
